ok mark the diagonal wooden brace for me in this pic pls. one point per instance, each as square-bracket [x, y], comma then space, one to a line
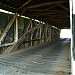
[7, 27]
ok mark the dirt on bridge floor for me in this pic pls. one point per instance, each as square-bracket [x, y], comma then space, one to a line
[44, 59]
[62, 73]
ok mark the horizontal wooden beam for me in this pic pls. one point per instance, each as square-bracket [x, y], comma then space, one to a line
[56, 22]
[54, 15]
[46, 13]
[55, 18]
[7, 44]
[37, 10]
[33, 40]
[61, 21]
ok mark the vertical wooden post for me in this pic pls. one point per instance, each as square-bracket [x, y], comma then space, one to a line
[39, 36]
[54, 35]
[57, 33]
[31, 35]
[51, 33]
[16, 30]
[45, 32]
[40, 33]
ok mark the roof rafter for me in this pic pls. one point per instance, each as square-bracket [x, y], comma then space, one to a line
[47, 13]
[47, 3]
[46, 10]
[24, 4]
[43, 4]
[55, 18]
[62, 6]
[42, 10]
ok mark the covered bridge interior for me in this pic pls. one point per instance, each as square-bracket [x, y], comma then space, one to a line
[30, 41]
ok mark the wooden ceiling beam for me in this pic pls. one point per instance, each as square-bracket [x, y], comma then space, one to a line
[46, 13]
[65, 8]
[55, 21]
[47, 3]
[46, 9]
[57, 18]
[51, 11]
[59, 25]
[51, 15]
[24, 4]
[42, 4]
[62, 6]
[66, 15]
[37, 10]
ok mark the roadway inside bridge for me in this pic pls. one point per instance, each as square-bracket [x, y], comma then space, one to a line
[45, 59]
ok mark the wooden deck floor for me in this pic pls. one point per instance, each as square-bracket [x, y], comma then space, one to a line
[45, 59]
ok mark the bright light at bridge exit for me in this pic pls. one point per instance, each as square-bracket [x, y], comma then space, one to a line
[65, 33]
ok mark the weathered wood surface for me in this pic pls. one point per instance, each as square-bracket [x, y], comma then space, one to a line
[21, 39]
[10, 23]
[45, 59]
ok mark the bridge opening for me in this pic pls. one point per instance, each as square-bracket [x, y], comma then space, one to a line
[65, 33]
